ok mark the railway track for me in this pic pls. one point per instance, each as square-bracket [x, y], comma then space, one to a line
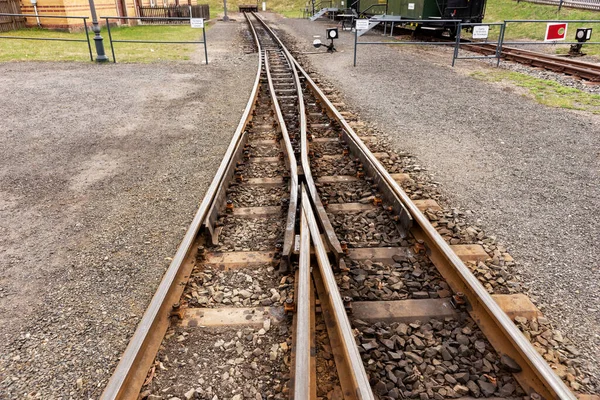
[568, 66]
[262, 298]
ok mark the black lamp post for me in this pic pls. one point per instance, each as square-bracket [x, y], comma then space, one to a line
[97, 38]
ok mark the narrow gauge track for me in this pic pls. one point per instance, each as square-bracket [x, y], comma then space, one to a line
[568, 66]
[303, 178]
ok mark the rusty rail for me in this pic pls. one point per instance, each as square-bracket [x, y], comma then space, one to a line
[584, 70]
[130, 373]
[536, 375]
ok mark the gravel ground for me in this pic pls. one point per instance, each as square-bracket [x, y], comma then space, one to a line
[520, 170]
[102, 169]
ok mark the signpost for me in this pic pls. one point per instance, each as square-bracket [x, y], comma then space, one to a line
[556, 31]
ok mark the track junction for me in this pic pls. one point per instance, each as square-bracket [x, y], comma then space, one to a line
[324, 206]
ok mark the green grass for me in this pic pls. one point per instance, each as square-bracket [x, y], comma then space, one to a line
[546, 92]
[35, 50]
[500, 10]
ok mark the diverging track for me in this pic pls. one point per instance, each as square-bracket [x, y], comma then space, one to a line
[308, 272]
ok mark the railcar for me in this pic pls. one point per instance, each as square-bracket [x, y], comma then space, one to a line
[471, 11]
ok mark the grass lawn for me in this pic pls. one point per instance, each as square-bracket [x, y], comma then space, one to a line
[500, 10]
[546, 92]
[35, 50]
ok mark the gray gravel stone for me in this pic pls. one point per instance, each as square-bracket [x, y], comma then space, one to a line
[527, 171]
[103, 167]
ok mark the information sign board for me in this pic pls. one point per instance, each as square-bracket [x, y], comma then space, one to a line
[481, 31]
[362, 24]
[197, 22]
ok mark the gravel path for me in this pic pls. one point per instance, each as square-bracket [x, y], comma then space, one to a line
[524, 172]
[101, 171]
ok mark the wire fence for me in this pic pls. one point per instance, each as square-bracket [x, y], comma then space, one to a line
[55, 39]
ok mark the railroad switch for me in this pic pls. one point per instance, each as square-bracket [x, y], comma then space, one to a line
[582, 35]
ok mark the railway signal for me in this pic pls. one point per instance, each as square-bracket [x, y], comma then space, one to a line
[331, 34]
[582, 35]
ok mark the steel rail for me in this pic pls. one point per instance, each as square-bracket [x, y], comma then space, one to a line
[301, 383]
[129, 375]
[331, 237]
[404, 217]
[505, 337]
[353, 377]
[585, 70]
[290, 235]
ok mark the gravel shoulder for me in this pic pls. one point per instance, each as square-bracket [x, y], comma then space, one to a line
[102, 168]
[526, 173]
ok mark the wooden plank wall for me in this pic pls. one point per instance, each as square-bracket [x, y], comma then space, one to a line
[177, 11]
[11, 23]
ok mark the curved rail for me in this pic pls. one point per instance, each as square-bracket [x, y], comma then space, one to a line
[584, 70]
[330, 235]
[351, 371]
[536, 375]
[130, 373]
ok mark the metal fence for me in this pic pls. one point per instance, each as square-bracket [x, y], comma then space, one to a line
[582, 4]
[85, 25]
[182, 20]
[498, 43]
[407, 21]
[183, 11]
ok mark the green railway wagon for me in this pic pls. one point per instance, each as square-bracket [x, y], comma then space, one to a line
[409, 9]
[373, 7]
[459, 10]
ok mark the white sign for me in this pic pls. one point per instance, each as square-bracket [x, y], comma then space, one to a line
[411, 6]
[264, 6]
[362, 24]
[197, 22]
[481, 31]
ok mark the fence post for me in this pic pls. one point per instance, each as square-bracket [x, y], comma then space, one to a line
[355, 43]
[112, 48]
[87, 36]
[205, 49]
[500, 42]
[457, 44]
